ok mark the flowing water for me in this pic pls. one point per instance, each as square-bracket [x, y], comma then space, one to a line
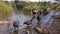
[22, 18]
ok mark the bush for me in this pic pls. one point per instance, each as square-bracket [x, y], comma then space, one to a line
[27, 10]
[5, 10]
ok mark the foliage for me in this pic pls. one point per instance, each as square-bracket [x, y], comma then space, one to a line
[26, 6]
[21, 5]
[5, 10]
[27, 10]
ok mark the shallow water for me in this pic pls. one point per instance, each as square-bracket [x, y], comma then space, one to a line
[22, 18]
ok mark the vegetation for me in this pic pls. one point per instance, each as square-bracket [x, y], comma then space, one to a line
[5, 10]
[36, 5]
[39, 6]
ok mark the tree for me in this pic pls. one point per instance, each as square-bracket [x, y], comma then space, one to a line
[21, 4]
[16, 1]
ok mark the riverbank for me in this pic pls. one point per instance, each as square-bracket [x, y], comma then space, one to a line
[3, 22]
[3, 27]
